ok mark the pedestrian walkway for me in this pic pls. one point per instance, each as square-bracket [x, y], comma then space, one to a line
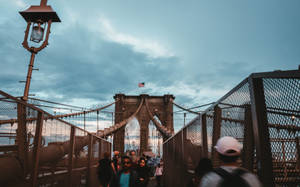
[152, 182]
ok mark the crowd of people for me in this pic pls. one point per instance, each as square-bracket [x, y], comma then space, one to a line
[131, 171]
[126, 171]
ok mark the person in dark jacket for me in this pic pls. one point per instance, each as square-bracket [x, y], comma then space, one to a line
[142, 173]
[105, 171]
[204, 166]
[125, 177]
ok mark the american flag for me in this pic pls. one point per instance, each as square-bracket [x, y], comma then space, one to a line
[141, 84]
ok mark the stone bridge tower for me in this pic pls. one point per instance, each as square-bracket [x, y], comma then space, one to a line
[160, 106]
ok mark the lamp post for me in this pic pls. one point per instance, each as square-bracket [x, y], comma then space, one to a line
[39, 19]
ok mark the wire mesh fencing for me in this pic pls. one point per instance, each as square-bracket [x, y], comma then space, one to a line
[38, 149]
[262, 113]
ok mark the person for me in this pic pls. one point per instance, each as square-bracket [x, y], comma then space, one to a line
[105, 171]
[126, 177]
[134, 159]
[229, 173]
[158, 174]
[116, 162]
[142, 173]
[204, 166]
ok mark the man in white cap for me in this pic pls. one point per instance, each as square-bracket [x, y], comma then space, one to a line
[229, 174]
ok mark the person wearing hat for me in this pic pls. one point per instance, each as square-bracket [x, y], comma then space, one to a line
[229, 173]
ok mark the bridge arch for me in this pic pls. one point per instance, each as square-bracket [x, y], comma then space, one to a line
[132, 135]
[125, 106]
[155, 139]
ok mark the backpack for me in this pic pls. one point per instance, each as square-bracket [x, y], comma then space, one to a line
[233, 179]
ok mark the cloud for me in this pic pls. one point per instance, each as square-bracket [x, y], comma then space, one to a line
[20, 3]
[150, 47]
[187, 93]
[86, 70]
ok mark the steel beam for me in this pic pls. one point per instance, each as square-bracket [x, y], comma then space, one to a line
[90, 155]
[22, 137]
[261, 131]
[216, 134]
[248, 144]
[37, 148]
[71, 153]
[204, 135]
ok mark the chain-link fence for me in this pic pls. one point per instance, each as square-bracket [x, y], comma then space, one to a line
[262, 113]
[37, 149]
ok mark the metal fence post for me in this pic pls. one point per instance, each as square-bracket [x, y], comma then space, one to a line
[100, 149]
[248, 144]
[165, 160]
[183, 136]
[84, 120]
[36, 148]
[204, 135]
[216, 133]
[90, 147]
[71, 153]
[261, 131]
[22, 137]
[298, 152]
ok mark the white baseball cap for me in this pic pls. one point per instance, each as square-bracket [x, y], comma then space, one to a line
[228, 146]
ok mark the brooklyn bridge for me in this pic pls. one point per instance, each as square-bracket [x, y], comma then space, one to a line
[262, 112]
[46, 143]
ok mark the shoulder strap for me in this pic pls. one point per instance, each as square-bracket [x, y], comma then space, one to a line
[223, 173]
[236, 174]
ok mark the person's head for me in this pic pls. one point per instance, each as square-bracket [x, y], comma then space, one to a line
[126, 163]
[106, 155]
[142, 162]
[132, 153]
[116, 154]
[204, 166]
[229, 149]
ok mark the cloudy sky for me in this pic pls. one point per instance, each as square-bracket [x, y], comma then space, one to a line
[196, 50]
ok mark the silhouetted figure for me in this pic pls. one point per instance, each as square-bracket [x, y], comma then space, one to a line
[105, 171]
[143, 173]
[204, 166]
[134, 158]
[158, 174]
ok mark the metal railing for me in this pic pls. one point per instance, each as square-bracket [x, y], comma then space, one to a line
[38, 149]
[263, 113]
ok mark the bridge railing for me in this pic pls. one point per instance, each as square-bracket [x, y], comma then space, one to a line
[263, 113]
[37, 149]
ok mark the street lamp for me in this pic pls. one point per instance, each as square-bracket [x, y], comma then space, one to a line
[39, 19]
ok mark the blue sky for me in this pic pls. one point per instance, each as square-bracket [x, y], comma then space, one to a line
[196, 50]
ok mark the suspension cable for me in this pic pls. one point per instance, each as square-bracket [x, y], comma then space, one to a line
[186, 109]
[195, 107]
